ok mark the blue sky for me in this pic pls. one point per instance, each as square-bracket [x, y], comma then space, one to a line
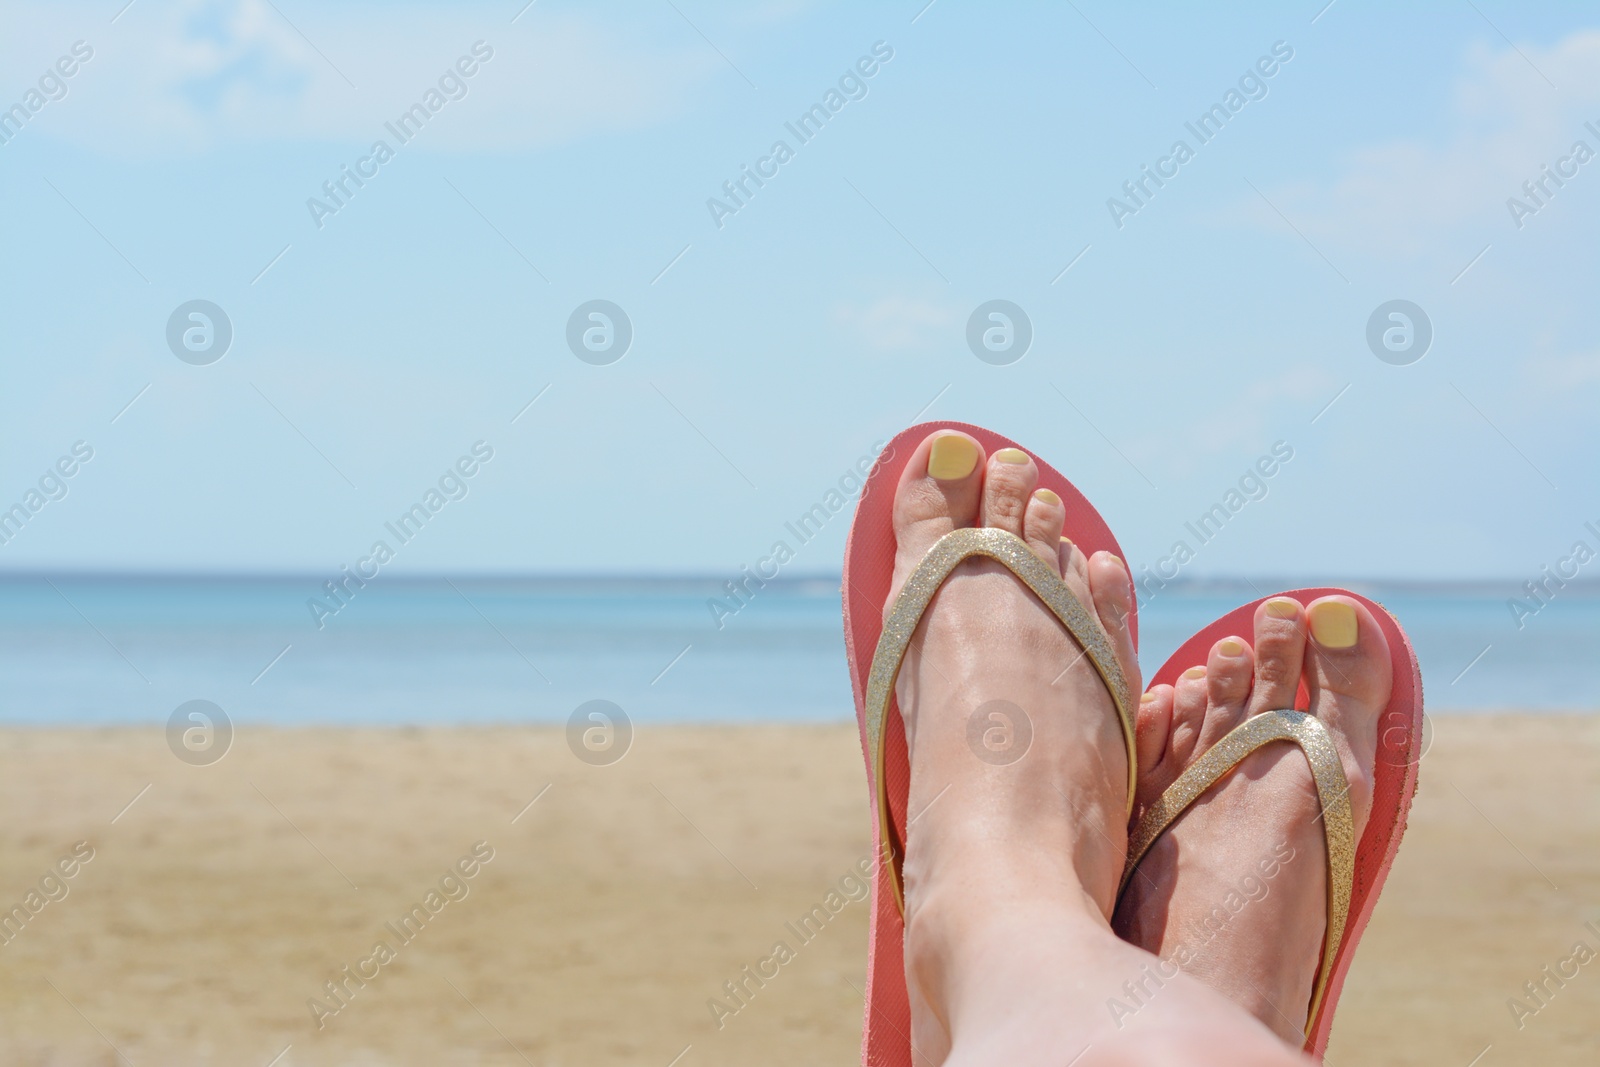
[370, 352]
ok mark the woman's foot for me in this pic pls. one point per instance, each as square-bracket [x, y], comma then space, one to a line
[1018, 764]
[1016, 832]
[1238, 886]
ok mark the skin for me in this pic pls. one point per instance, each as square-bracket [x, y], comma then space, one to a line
[1012, 865]
[1266, 958]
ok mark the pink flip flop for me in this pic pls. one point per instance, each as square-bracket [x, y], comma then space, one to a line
[1356, 871]
[874, 649]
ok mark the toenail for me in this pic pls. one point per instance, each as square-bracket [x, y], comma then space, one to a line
[1195, 672]
[1066, 540]
[1282, 607]
[1147, 698]
[1231, 646]
[1045, 496]
[952, 456]
[1011, 455]
[1117, 560]
[1333, 624]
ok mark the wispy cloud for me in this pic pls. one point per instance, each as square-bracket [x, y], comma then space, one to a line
[200, 73]
[1559, 375]
[898, 323]
[1402, 196]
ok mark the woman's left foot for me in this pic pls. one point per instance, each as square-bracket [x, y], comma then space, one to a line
[1235, 892]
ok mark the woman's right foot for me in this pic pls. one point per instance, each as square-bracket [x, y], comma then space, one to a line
[1018, 763]
[1235, 892]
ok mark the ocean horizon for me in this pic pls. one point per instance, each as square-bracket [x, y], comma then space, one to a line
[89, 649]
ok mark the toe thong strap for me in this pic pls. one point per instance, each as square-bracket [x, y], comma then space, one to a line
[1333, 792]
[947, 553]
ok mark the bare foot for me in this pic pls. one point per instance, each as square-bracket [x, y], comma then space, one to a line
[1018, 764]
[1238, 885]
[1019, 777]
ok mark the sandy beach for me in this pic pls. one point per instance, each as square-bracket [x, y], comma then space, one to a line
[597, 923]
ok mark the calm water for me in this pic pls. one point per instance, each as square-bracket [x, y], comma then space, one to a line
[79, 650]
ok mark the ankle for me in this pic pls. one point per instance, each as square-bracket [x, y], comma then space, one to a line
[954, 922]
[1002, 968]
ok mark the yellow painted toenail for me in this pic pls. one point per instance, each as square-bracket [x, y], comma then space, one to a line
[1147, 698]
[1333, 624]
[952, 456]
[1281, 607]
[1011, 455]
[1117, 560]
[1231, 646]
[1195, 672]
[1045, 496]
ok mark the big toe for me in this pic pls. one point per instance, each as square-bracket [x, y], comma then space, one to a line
[1348, 656]
[939, 491]
[1349, 674]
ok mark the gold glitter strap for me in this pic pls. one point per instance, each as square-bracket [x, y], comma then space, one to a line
[1013, 553]
[1333, 791]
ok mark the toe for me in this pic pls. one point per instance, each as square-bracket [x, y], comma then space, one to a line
[1229, 674]
[1348, 671]
[1007, 484]
[1074, 565]
[1152, 728]
[1280, 625]
[1041, 526]
[1153, 724]
[1188, 716]
[1111, 590]
[1347, 655]
[939, 491]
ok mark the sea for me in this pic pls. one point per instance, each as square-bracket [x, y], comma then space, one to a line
[87, 650]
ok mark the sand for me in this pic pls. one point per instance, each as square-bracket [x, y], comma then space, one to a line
[219, 903]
